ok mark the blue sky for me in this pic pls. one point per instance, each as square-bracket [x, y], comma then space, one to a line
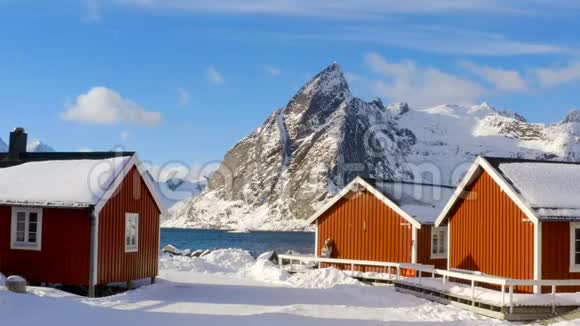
[187, 79]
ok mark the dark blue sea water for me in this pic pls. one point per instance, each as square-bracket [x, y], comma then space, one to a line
[255, 242]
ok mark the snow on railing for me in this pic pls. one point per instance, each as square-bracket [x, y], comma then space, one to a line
[445, 276]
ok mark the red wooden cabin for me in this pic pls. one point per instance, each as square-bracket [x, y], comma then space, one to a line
[518, 219]
[82, 219]
[384, 221]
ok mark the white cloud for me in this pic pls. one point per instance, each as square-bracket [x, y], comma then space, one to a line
[102, 105]
[503, 79]
[183, 96]
[124, 135]
[420, 86]
[404, 69]
[427, 38]
[272, 71]
[345, 8]
[439, 39]
[352, 77]
[550, 77]
[92, 11]
[214, 76]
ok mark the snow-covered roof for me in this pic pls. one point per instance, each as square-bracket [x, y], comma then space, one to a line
[423, 202]
[60, 183]
[551, 189]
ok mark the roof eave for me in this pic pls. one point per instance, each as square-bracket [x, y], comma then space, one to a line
[46, 204]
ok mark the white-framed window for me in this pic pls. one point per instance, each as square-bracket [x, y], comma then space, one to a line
[26, 228]
[575, 247]
[131, 232]
[439, 242]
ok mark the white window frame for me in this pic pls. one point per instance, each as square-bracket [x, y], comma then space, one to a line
[438, 231]
[574, 268]
[128, 219]
[25, 245]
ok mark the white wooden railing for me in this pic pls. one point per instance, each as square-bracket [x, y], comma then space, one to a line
[444, 274]
[386, 265]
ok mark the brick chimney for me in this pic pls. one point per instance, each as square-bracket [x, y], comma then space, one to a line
[18, 141]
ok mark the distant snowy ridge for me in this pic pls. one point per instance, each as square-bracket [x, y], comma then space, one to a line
[304, 153]
[39, 147]
[36, 146]
[176, 190]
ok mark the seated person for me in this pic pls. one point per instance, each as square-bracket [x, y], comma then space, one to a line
[327, 249]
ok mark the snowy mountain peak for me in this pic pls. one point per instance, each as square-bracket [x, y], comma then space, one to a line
[330, 82]
[572, 116]
[484, 104]
[300, 156]
[482, 109]
[3, 146]
[397, 109]
[378, 103]
[313, 105]
[455, 111]
[39, 147]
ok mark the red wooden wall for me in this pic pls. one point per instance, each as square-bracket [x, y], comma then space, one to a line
[65, 253]
[114, 265]
[556, 254]
[489, 233]
[364, 228]
[424, 248]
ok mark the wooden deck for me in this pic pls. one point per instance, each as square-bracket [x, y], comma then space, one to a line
[436, 287]
[518, 313]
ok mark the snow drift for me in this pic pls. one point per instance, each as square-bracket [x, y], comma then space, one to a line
[322, 279]
[240, 264]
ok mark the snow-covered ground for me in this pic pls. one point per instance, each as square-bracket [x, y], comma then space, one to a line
[230, 287]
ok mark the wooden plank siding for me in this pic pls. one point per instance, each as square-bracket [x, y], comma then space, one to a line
[490, 234]
[556, 255]
[114, 265]
[65, 248]
[363, 228]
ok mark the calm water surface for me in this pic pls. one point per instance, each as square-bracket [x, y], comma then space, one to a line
[255, 242]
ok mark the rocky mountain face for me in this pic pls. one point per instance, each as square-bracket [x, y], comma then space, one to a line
[307, 151]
